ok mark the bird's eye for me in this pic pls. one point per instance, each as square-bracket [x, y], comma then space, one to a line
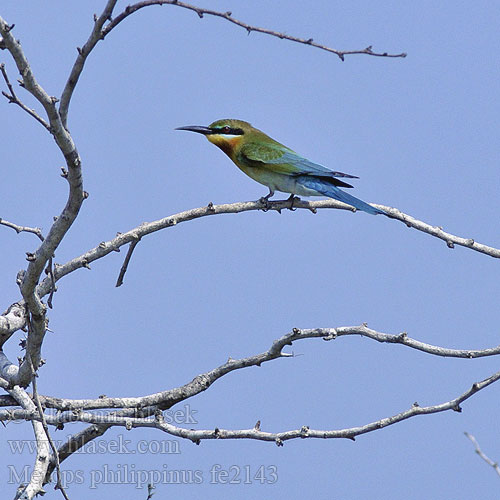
[226, 130]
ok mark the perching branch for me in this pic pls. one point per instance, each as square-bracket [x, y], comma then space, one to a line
[136, 412]
[146, 228]
[7, 327]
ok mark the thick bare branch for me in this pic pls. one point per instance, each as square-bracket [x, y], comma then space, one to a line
[136, 412]
[42, 460]
[12, 320]
[93, 431]
[75, 443]
[256, 433]
[36, 320]
[55, 454]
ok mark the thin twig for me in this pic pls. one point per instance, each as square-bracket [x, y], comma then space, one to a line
[130, 9]
[43, 421]
[151, 492]
[482, 455]
[124, 267]
[450, 239]
[50, 272]
[22, 229]
[12, 97]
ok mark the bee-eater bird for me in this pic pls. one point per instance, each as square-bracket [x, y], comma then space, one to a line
[276, 166]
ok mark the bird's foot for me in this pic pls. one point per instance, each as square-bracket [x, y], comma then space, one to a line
[292, 198]
[264, 201]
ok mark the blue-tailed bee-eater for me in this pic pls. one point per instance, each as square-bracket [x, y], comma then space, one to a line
[276, 166]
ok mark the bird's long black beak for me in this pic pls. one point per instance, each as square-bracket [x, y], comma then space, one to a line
[197, 128]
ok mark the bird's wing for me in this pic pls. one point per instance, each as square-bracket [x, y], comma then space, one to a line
[282, 160]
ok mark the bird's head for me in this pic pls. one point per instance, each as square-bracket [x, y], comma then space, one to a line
[226, 134]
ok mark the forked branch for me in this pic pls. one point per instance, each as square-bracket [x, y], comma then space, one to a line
[101, 30]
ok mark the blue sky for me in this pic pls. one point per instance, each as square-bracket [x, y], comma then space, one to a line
[422, 135]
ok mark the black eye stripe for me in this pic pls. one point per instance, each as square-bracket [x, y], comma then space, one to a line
[228, 130]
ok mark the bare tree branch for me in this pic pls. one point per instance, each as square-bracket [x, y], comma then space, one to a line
[34, 487]
[450, 239]
[37, 261]
[96, 35]
[136, 412]
[7, 328]
[151, 489]
[146, 228]
[12, 97]
[12, 320]
[130, 9]
[55, 454]
[123, 270]
[168, 398]
[482, 455]
[20, 229]
[76, 442]
[93, 431]
[101, 30]
[256, 433]
[402, 338]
